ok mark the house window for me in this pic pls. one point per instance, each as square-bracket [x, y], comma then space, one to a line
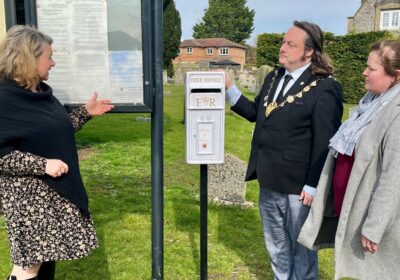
[385, 20]
[395, 19]
[209, 51]
[189, 50]
[224, 51]
[390, 19]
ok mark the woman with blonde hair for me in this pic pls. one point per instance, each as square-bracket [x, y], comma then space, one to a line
[41, 191]
[357, 205]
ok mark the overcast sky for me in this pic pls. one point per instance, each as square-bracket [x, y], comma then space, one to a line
[276, 16]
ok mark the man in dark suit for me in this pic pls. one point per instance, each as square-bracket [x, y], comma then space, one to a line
[298, 110]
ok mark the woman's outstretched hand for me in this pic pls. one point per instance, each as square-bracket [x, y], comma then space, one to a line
[98, 107]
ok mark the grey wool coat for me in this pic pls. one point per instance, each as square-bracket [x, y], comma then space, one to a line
[371, 205]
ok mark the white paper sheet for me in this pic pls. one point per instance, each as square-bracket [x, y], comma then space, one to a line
[84, 61]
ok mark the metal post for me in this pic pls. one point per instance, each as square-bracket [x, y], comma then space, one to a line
[30, 12]
[157, 171]
[11, 13]
[203, 221]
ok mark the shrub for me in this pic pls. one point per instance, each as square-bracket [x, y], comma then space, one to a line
[349, 54]
[268, 49]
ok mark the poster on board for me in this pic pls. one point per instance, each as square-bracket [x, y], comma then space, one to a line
[97, 47]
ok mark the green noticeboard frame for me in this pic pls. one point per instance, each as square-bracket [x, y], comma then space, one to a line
[25, 12]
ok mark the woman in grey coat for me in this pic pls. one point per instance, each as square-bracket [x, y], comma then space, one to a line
[357, 205]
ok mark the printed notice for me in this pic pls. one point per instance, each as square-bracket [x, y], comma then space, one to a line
[126, 76]
[97, 47]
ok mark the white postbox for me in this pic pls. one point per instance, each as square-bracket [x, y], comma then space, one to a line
[205, 117]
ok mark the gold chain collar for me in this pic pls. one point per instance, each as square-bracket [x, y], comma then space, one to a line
[269, 107]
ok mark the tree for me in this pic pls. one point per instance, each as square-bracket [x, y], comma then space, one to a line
[229, 19]
[268, 45]
[251, 55]
[172, 34]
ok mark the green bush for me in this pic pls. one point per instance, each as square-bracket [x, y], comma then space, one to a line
[268, 49]
[349, 54]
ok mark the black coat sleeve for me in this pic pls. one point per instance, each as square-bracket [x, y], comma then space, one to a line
[326, 119]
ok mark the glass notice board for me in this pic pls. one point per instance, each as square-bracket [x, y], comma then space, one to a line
[99, 45]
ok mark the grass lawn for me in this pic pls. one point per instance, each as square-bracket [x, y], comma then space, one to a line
[116, 170]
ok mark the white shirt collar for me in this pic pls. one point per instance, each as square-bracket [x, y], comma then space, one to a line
[297, 73]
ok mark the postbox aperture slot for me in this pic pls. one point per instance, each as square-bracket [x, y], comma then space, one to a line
[200, 90]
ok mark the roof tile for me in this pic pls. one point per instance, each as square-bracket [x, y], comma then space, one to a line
[210, 42]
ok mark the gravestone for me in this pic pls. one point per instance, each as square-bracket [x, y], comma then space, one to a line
[226, 183]
[165, 77]
[260, 76]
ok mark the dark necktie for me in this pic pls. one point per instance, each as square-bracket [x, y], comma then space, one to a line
[280, 98]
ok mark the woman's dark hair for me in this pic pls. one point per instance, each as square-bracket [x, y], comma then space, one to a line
[320, 61]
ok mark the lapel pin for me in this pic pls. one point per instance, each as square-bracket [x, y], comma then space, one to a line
[302, 83]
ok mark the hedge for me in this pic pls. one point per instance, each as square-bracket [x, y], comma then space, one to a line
[349, 54]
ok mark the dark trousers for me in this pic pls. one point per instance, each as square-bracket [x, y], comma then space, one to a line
[47, 271]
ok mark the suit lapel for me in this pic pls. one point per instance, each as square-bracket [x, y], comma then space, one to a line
[301, 82]
[271, 94]
[305, 79]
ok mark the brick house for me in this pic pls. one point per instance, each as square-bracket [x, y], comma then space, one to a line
[216, 51]
[376, 15]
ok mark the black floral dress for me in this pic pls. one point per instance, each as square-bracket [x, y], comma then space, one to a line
[42, 225]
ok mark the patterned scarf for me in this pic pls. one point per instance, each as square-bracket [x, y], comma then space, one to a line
[346, 138]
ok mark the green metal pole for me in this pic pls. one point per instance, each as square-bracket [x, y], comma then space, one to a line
[203, 221]
[157, 169]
